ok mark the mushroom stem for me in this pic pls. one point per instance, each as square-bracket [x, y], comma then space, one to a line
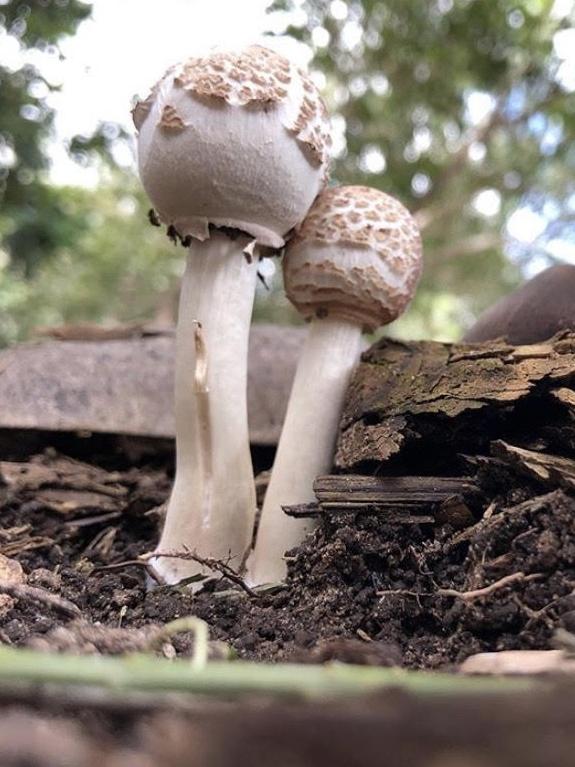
[212, 506]
[307, 442]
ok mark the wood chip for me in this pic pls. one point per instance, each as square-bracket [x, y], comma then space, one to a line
[11, 572]
[401, 500]
[519, 663]
[551, 470]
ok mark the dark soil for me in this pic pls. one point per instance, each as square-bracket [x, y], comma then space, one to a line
[359, 589]
[77, 515]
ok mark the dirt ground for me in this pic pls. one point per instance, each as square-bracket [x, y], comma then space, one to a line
[359, 589]
[366, 587]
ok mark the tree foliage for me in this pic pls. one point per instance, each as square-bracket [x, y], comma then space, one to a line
[118, 268]
[31, 223]
[465, 111]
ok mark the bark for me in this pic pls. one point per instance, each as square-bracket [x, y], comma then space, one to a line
[416, 408]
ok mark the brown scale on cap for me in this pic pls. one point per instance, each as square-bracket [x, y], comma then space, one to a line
[142, 108]
[255, 74]
[311, 124]
[373, 291]
[171, 120]
[257, 77]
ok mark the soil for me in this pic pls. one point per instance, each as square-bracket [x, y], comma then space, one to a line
[359, 590]
[364, 588]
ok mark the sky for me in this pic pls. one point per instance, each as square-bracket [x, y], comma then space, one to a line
[127, 45]
[123, 49]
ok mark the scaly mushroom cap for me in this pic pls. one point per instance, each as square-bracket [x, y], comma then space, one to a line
[357, 256]
[233, 139]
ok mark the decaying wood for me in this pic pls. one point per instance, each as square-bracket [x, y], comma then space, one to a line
[125, 386]
[406, 492]
[392, 516]
[567, 398]
[402, 500]
[549, 469]
[64, 485]
[35, 595]
[414, 407]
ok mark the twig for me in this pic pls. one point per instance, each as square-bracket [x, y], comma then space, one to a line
[213, 564]
[469, 596]
[35, 594]
[466, 596]
[405, 593]
[126, 563]
[535, 615]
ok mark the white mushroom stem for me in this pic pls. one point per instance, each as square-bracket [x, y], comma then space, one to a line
[212, 507]
[307, 442]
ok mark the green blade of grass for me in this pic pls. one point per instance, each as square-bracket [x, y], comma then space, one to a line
[148, 673]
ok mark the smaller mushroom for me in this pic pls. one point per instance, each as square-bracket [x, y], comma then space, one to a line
[353, 265]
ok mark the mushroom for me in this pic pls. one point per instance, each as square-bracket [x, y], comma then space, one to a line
[232, 150]
[537, 310]
[353, 265]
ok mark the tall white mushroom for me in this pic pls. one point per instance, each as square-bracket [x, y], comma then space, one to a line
[353, 265]
[233, 149]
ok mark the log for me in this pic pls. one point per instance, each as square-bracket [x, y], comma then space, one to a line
[125, 385]
[413, 408]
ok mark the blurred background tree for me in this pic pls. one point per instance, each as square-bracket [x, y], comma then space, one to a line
[31, 223]
[464, 109]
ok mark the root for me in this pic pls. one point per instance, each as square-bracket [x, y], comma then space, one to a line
[465, 596]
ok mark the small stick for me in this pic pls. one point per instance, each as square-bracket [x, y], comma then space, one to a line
[469, 596]
[125, 563]
[35, 594]
[466, 596]
[213, 564]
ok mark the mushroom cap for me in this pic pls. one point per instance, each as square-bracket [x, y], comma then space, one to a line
[537, 310]
[357, 256]
[233, 139]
